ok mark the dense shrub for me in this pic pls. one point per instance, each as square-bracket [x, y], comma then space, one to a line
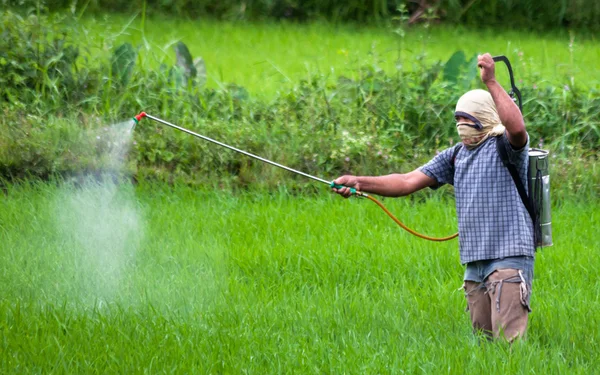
[376, 123]
[39, 63]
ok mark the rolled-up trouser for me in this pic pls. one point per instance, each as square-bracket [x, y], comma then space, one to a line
[498, 292]
[499, 306]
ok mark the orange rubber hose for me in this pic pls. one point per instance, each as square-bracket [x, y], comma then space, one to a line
[404, 226]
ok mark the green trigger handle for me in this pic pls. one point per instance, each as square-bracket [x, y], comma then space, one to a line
[352, 190]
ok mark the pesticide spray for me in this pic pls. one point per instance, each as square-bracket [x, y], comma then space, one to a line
[100, 223]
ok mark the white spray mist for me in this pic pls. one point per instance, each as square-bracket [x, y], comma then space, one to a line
[101, 223]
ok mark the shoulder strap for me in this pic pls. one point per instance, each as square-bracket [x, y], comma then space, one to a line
[456, 151]
[453, 160]
[501, 147]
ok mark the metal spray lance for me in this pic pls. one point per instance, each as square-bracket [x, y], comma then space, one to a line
[331, 184]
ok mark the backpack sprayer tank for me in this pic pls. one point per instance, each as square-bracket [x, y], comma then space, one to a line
[539, 177]
[539, 185]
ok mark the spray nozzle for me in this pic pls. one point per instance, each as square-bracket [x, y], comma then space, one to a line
[139, 117]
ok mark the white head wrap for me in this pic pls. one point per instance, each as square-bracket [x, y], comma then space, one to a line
[479, 107]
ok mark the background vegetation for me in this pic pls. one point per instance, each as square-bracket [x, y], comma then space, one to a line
[525, 14]
[60, 89]
[176, 274]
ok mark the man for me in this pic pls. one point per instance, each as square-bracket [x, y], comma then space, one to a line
[496, 238]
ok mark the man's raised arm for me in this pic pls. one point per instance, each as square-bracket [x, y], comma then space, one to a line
[510, 115]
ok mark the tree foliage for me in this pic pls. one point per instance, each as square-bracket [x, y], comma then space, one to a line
[525, 14]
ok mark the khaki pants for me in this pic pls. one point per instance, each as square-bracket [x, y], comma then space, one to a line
[499, 306]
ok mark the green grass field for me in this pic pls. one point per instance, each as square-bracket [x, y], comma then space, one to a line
[266, 58]
[156, 279]
[101, 279]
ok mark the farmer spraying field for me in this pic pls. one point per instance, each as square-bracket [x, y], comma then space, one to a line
[496, 234]
[500, 220]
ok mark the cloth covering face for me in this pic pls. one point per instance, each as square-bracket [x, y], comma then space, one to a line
[479, 107]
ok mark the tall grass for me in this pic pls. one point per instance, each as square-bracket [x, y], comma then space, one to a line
[111, 278]
[274, 283]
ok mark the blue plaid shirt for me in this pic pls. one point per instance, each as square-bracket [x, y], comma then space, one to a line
[493, 223]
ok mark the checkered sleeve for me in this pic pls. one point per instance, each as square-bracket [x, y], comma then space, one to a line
[440, 168]
[516, 156]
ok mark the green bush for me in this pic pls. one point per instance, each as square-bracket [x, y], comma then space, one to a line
[376, 123]
[39, 63]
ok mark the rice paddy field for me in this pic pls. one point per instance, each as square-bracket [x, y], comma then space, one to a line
[267, 58]
[104, 277]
